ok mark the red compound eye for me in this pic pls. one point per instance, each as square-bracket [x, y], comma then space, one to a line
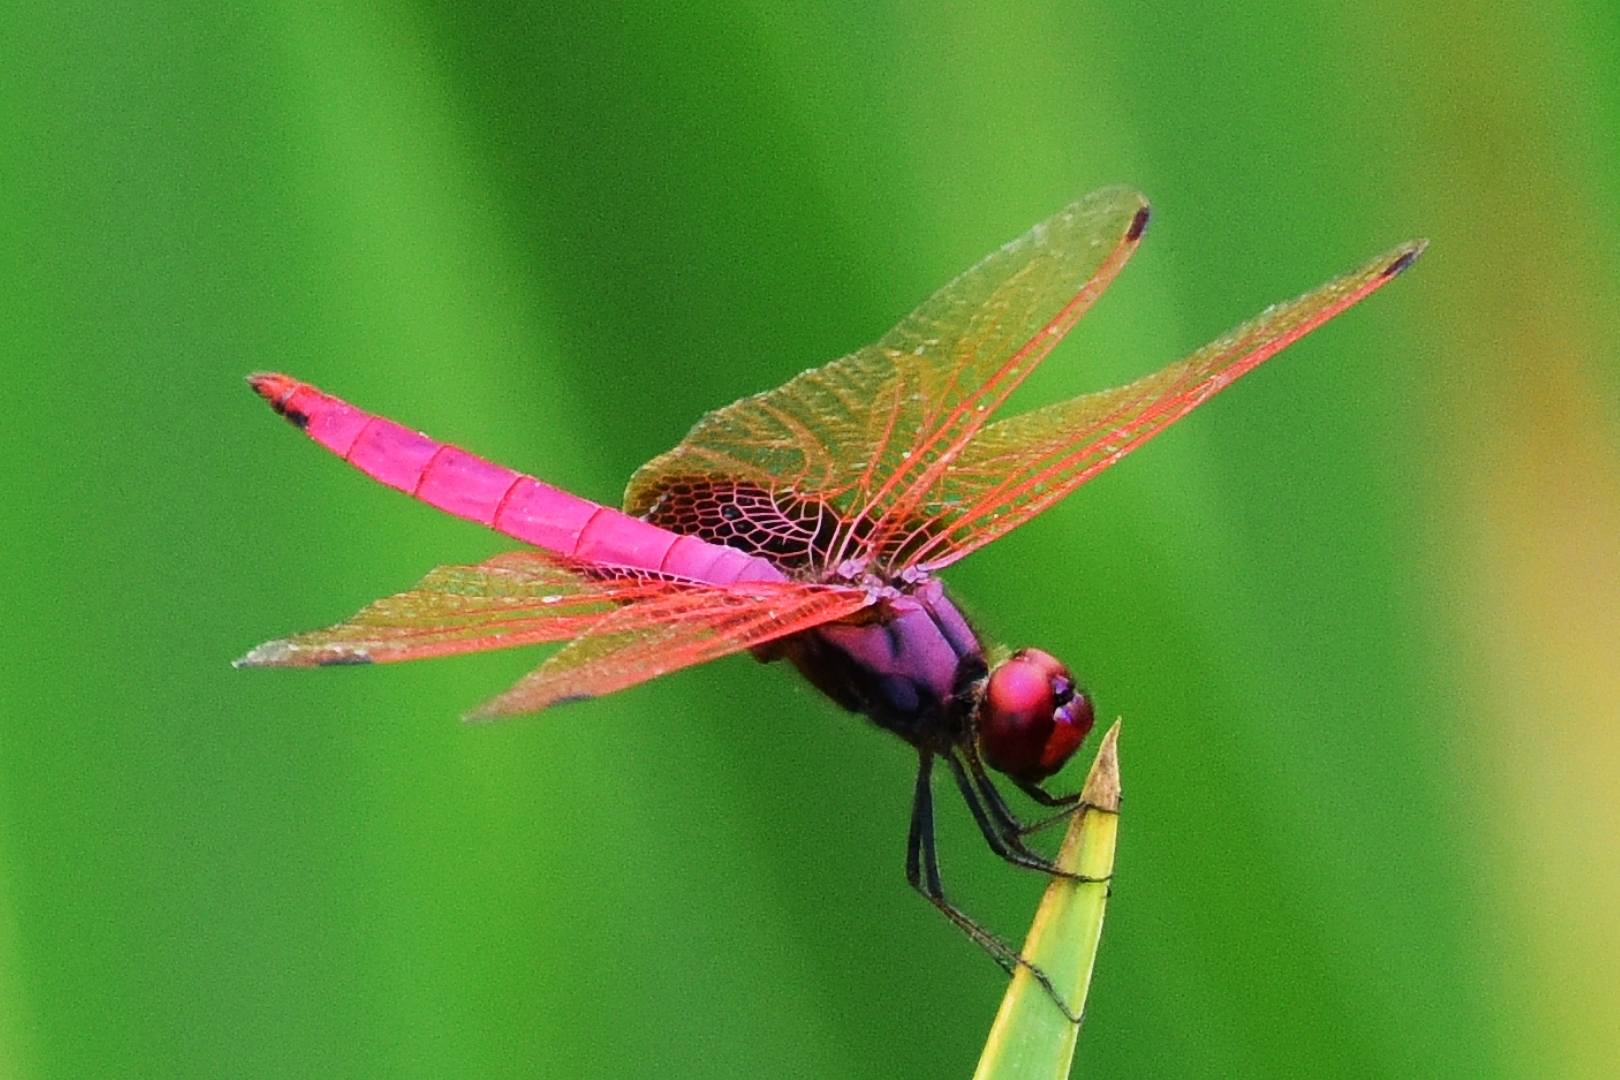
[1032, 717]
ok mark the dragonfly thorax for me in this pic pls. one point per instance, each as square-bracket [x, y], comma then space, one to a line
[910, 662]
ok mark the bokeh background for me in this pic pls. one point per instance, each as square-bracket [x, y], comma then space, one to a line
[1361, 614]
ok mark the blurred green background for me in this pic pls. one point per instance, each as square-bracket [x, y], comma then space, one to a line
[1361, 614]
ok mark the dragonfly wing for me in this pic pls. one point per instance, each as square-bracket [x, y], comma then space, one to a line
[521, 598]
[531, 597]
[626, 648]
[862, 429]
[1017, 467]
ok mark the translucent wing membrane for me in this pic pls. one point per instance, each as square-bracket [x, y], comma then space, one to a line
[867, 434]
[520, 598]
[628, 647]
[628, 625]
[1016, 468]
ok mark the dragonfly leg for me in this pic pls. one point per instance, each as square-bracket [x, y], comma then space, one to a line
[922, 870]
[1002, 833]
[1012, 826]
[1068, 805]
[1054, 819]
[1046, 798]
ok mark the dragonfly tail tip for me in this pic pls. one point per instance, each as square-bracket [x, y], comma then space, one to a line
[278, 391]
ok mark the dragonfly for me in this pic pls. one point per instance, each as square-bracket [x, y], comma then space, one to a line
[810, 524]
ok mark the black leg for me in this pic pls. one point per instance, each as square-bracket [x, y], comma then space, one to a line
[1000, 812]
[922, 870]
[1054, 819]
[922, 831]
[1067, 804]
[992, 795]
[1001, 831]
[1046, 798]
[1013, 827]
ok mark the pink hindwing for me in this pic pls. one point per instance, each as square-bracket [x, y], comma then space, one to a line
[626, 625]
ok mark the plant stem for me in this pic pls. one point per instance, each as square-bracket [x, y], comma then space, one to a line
[1031, 1038]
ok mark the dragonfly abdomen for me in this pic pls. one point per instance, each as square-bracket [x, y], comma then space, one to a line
[468, 486]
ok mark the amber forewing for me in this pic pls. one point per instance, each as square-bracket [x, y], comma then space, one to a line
[865, 434]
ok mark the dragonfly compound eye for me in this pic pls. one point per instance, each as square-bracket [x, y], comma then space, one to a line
[1033, 717]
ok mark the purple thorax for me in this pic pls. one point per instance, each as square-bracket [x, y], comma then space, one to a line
[904, 669]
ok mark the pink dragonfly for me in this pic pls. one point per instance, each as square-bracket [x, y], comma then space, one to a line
[810, 523]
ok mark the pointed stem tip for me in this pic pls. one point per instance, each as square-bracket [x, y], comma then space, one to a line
[1102, 783]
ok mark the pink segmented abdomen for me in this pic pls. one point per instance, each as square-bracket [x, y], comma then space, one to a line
[520, 506]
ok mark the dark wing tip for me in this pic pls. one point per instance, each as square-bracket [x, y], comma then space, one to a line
[1405, 259]
[1139, 224]
[278, 390]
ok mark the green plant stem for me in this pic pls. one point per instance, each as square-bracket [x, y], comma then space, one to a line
[1031, 1038]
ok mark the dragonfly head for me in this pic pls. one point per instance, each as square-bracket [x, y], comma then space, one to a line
[1032, 716]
